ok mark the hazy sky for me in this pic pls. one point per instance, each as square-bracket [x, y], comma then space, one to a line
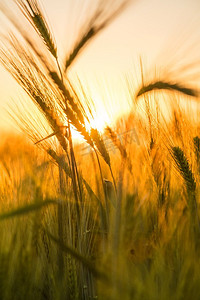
[155, 30]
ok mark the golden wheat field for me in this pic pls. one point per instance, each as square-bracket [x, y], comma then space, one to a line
[91, 208]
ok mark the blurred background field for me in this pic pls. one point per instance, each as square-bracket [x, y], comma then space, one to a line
[99, 199]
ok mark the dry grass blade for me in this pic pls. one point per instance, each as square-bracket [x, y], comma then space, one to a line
[47, 137]
[34, 14]
[162, 85]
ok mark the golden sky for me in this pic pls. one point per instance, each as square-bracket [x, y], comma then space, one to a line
[155, 30]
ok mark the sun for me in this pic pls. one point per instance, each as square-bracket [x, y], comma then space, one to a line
[98, 121]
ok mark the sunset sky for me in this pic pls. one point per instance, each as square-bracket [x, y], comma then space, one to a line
[154, 30]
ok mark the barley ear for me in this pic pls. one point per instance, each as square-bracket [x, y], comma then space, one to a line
[183, 167]
[106, 12]
[33, 13]
[100, 145]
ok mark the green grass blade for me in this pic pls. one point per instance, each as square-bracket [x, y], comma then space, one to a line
[78, 256]
[24, 210]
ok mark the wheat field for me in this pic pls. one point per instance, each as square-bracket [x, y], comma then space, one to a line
[115, 216]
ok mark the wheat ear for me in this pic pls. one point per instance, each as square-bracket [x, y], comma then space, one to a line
[163, 85]
[32, 11]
